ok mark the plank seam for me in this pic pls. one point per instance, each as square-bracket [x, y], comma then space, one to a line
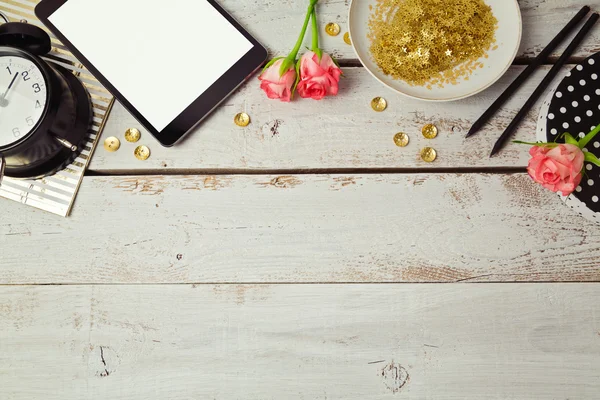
[311, 171]
[252, 283]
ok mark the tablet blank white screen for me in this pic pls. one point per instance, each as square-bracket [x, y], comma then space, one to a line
[160, 55]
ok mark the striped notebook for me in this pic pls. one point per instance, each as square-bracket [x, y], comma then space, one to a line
[56, 193]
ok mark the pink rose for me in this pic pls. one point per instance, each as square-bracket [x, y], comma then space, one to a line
[318, 79]
[275, 86]
[558, 168]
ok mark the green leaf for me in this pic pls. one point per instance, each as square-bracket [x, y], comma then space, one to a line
[286, 65]
[297, 78]
[569, 139]
[273, 61]
[591, 158]
[583, 142]
[319, 53]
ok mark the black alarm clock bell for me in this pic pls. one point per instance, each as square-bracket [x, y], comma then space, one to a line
[45, 111]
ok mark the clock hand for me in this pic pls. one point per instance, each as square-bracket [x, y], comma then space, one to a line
[11, 84]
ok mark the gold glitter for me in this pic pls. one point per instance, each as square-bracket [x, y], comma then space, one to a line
[430, 42]
[142, 152]
[430, 131]
[378, 104]
[401, 139]
[332, 29]
[347, 38]
[112, 144]
[132, 135]
[241, 119]
[428, 154]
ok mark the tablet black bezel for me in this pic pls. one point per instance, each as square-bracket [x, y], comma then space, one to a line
[200, 107]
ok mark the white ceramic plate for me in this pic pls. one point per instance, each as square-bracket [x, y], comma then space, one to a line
[508, 39]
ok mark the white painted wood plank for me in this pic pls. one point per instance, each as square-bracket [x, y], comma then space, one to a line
[350, 342]
[312, 228]
[543, 19]
[277, 24]
[347, 134]
[342, 132]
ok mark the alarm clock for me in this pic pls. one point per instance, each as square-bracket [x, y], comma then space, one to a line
[45, 111]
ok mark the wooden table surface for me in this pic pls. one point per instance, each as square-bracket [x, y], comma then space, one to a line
[308, 257]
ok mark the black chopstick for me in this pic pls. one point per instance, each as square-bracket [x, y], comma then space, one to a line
[545, 82]
[539, 60]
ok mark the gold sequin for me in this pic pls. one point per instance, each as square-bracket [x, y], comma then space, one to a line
[428, 154]
[430, 131]
[401, 139]
[241, 119]
[332, 29]
[347, 38]
[142, 152]
[112, 144]
[441, 44]
[132, 135]
[378, 104]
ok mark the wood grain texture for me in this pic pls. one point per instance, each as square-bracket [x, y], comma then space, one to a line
[262, 342]
[341, 132]
[295, 228]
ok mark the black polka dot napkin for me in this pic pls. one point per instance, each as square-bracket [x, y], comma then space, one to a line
[574, 107]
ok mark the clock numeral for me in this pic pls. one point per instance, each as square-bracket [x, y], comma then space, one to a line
[25, 76]
[36, 87]
[29, 121]
[16, 132]
[37, 104]
[9, 71]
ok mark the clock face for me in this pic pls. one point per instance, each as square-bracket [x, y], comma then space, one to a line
[23, 97]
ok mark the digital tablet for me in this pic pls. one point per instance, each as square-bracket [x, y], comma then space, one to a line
[169, 63]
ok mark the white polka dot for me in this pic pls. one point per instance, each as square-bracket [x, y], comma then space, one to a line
[558, 94]
[580, 68]
[566, 125]
[595, 199]
[581, 135]
[592, 127]
[597, 145]
[574, 104]
[582, 82]
[578, 119]
[563, 110]
[586, 97]
[550, 116]
[588, 167]
[589, 113]
[591, 61]
[570, 88]
[597, 92]
[585, 150]
[594, 76]
[578, 188]
[568, 74]
[553, 131]
[590, 182]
